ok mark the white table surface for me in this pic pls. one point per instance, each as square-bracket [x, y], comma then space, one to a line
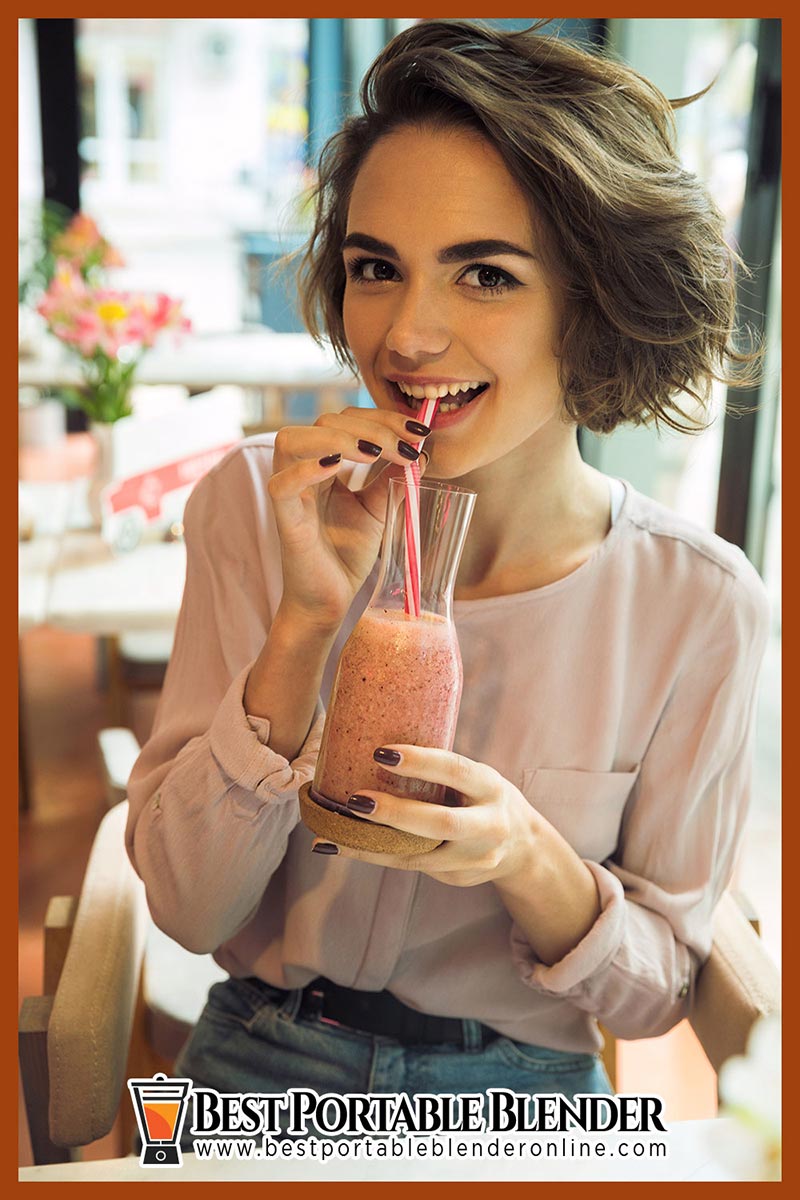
[691, 1144]
[93, 590]
[36, 561]
[69, 578]
[253, 358]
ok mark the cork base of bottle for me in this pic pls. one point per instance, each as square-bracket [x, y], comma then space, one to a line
[360, 835]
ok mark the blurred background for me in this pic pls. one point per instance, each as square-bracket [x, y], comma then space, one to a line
[188, 146]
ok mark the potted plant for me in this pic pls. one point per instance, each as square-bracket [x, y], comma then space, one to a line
[108, 332]
[58, 234]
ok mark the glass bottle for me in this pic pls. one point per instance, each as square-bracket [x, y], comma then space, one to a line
[399, 676]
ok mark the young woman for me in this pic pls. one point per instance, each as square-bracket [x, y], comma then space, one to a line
[507, 225]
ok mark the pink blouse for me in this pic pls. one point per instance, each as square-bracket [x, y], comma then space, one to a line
[620, 700]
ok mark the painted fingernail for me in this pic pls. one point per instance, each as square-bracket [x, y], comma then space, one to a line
[389, 757]
[325, 848]
[418, 428]
[330, 459]
[369, 448]
[361, 804]
[407, 451]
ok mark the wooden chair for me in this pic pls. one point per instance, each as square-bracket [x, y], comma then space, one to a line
[133, 662]
[98, 1021]
[119, 1000]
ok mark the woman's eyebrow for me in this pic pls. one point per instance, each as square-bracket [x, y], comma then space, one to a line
[362, 241]
[460, 252]
[481, 248]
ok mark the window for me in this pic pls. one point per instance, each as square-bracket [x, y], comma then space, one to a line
[193, 140]
[683, 57]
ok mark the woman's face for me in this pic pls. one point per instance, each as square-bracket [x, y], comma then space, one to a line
[446, 291]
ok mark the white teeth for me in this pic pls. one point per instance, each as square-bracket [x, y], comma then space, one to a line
[455, 388]
[431, 391]
[412, 390]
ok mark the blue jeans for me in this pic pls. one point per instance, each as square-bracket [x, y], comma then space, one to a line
[251, 1038]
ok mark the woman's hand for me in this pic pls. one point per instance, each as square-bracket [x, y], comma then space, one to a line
[491, 835]
[496, 836]
[330, 536]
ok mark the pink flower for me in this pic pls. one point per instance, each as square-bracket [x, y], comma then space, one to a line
[101, 319]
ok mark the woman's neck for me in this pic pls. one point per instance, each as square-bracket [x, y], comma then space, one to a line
[541, 512]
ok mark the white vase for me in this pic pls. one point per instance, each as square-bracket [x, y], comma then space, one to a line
[103, 472]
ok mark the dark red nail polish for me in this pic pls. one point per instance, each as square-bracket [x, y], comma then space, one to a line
[389, 758]
[361, 804]
[407, 451]
[369, 447]
[325, 848]
[418, 428]
[330, 459]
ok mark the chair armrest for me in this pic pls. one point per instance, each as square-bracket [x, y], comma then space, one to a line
[738, 984]
[90, 1024]
[119, 750]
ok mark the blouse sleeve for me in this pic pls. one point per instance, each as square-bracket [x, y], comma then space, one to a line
[211, 806]
[635, 968]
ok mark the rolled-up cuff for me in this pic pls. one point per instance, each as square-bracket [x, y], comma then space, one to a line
[239, 744]
[593, 952]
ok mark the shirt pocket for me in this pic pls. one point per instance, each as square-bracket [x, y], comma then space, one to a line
[585, 807]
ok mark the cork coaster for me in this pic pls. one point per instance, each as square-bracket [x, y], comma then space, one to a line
[360, 835]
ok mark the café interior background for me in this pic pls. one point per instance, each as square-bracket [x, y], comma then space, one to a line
[195, 141]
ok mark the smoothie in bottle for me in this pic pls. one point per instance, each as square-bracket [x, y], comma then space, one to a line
[399, 680]
[399, 676]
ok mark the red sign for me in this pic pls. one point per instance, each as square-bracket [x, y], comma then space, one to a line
[146, 491]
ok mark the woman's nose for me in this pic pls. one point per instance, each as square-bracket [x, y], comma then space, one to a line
[418, 329]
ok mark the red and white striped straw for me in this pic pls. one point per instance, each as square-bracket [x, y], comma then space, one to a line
[412, 478]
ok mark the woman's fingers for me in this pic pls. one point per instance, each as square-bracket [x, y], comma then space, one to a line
[292, 480]
[478, 782]
[434, 861]
[436, 821]
[356, 439]
[396, 423]
[478, 839]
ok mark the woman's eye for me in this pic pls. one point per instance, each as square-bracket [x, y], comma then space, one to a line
[489, 279]
[371, 270]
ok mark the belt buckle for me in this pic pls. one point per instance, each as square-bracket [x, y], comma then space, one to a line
[315, 1005]
[314, 1001]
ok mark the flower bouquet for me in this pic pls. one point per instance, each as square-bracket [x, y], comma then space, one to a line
[109, 331]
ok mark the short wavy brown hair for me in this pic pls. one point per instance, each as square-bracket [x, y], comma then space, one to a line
[634, 239]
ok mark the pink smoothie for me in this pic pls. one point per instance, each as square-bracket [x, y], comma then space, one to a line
[399, 680]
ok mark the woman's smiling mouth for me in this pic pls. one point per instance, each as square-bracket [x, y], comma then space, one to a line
[452, 396]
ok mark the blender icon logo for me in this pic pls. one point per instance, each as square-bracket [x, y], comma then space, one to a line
[160, 1106]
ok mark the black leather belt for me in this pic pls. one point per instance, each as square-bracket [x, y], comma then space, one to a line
[382, 1014]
